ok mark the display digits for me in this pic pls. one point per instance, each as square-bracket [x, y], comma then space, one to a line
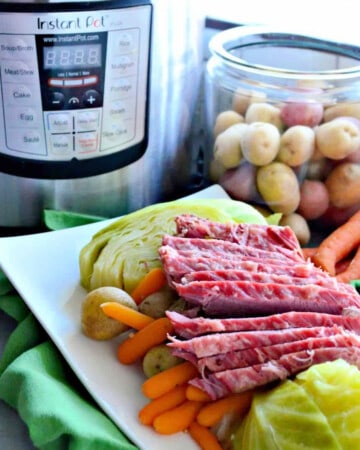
[72, 56]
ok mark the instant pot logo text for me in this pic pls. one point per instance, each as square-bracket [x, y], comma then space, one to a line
[77, 23]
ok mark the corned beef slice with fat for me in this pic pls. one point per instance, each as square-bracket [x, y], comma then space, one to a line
[220, 384]
[259, 355]
[176, 265]
[260, 236]
[236, 298]
[227, 249]
[214, 344]
[188, 328]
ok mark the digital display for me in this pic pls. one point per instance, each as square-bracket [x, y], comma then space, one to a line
[72, 56]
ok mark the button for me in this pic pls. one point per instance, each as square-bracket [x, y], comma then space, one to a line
[125, 42]
[56, 82]
[87, 142]
[123, 65]
[56, 100]
[21, 117]
[122, 108]
[21, 94]
[17, 71]
[60, 122]
[27, 141]
[90, 80]
[73, 82]
[123, 87]
[87, 120]
[92, 98]
[61, 144]
[74, 102]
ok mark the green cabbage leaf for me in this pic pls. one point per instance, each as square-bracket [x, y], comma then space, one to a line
[318, 410]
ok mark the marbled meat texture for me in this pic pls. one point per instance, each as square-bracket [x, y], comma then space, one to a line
[239, 298]
[302, 315]
[214, 344]
[227, 249]
[220, 384]
[188, 328]
[260, 236]
[259, 355]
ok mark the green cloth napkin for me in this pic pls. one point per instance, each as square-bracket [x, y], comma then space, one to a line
[39, 384]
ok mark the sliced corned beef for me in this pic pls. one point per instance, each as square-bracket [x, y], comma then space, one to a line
[214, 344]
[239, 298]
[226, 249]
[259, 355]
[268, 237]
[316, 277]
[189, 328]
[223, 383]
[176, 266]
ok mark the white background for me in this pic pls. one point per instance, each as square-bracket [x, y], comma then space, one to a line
[339, 20]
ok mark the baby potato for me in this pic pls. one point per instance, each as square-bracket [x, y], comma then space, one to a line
[156, 304]
[302, 113]
[225, 119]
[343, 185]
[94, 323]
[240, 183]
[243, 98]
[297, 144]
[314, 199]
[260, 143]
[342, 109]
[279, 187]
[159, 358]
[299, 226]
[264, 112]
[227, 146]
[338, 138]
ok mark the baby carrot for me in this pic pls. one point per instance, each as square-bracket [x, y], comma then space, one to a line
[352, 272]
[161, 404]
[308, 252]
[166, 380]
[338, 244]
[197, 394]
[126, 315]
[177, 419]
[136, 345]
[205, 439]
[152, 282]
[212, 412]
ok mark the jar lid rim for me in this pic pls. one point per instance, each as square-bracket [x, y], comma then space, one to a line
[236, 37]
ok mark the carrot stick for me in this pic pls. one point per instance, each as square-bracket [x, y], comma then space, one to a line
[205, 439]
[212, 412]
[126, 315]
[342, 265]
[136, 345]
[352, 272]
[152, 282]
[177, 419]
[166, 380]
[197, 394]
[161, 404]
[338, 244]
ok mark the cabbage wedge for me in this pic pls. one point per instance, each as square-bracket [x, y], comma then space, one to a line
[123, 252]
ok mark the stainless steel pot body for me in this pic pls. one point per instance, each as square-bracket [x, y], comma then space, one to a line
[168, 164]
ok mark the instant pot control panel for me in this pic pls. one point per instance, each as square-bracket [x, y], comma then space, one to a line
[73, 90]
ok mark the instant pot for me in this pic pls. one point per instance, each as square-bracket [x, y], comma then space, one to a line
[96, 104]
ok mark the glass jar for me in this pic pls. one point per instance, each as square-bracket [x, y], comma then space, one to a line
[282, 119]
